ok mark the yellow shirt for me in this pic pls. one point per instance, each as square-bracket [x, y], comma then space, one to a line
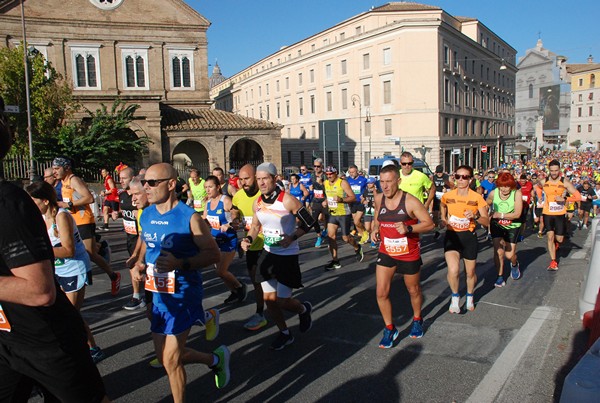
[245, 205]
[332, 192]
[417, 184]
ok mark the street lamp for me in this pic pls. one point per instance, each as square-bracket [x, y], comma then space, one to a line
[27, 96]
[356, 99]
[368, 120]
[423, 150]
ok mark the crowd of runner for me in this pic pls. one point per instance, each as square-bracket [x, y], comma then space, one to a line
[175, 228]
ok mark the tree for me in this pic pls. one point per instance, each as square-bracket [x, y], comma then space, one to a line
[103, 141]
[576, 143]
[51, 96]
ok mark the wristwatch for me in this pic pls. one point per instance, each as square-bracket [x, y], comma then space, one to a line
[409, 229]
[70, 204]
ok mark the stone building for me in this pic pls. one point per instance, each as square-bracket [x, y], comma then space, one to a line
[399, 76]
[148, 52]
[543, 100]
[585, 106]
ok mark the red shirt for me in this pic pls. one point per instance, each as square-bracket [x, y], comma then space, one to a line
[404, 247]
[111, 195]
[526, 191]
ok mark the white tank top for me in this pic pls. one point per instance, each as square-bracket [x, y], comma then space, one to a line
[276, 221]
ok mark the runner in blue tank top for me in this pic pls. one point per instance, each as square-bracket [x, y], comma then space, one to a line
[358, 183]
[177, 245]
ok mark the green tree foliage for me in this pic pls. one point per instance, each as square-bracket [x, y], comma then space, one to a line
[576, 143]
[104, 139]
[50, 95]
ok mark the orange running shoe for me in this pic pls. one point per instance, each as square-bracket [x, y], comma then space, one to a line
[553, 266]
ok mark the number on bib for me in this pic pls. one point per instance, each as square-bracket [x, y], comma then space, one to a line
[4, 325]
[396, 246]
[163, 283]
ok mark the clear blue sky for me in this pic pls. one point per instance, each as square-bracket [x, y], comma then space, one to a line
[243, 31]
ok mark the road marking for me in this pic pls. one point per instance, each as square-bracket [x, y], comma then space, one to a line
[493, 382]
[500, 305]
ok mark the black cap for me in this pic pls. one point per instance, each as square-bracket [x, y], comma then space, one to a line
[439, 169]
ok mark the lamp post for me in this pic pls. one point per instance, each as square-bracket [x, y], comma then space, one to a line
[356, 99]
[27, 96]
[368, 120]
[224, 153]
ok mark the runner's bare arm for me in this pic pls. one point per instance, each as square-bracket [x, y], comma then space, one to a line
[31, 285]
[419, 211]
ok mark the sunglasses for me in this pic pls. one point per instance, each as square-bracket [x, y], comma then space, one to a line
[153, 182]
[406, 163]
[317, 166]
[329, 173]
[463, 177]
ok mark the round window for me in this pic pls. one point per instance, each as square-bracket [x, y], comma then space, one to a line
[106, 4]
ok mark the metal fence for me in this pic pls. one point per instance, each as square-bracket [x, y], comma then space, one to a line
[17, 168]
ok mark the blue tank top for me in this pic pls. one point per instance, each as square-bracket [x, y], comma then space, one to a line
[296, 191]
[171, 232]
[306, 180]
[358, 185]
[217, 217]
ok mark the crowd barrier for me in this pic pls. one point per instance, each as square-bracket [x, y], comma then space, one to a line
[591, 282]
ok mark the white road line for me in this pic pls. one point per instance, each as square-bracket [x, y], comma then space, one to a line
[493, 382]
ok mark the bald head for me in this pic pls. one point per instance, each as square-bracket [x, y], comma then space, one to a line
[248, 179]
[248, 169]
[161, 171]
[49, 176]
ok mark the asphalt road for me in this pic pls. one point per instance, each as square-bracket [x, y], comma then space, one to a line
[518, 345]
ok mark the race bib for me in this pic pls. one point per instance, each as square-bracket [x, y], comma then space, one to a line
[438, 195]
[459, 223]
[4, 325]
[504, 222]
[247, 223]
[130, 227]
[66, 199]
[396, 246]
[356, 189]
[272, 236]
[524, 198]
[318, 194]
[555, 207]
[163, 283]
[332, 202]
[214, 221]
[198, 204]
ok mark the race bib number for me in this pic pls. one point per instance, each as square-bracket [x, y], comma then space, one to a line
[163, 283]
[247, 223]
[318, 194]
[459, 223]
[584, 198]
[332, 202]
[396, 246]
[66, 199]
[214, 221]
[504, 222]
[4, 325]
[272, 236]
[130, 227]
[198, 204]
[555, 207]
[438, 195]
[356, 189]
[524, 198]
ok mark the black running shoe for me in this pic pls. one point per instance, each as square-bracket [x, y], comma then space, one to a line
[305, 318]
[282, 340]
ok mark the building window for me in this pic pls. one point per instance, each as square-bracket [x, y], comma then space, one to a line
[328, 71]
[578, 112]
[446, 90]
[278, 106]
[578, 128]
[311, 74]
[86, 67]
[312, 104]
[366, 61]
[580, 98]
[344, 98]
[287, 108]
[592, 80]
[135, 66]
[456, 127]
[455, 59]
[591, 111]
[387, 56]
[300, 79]
[580, 82]
[267, 88]
[589, 128]
[289, 157]
[344, 67]
[367, 95]
[446, 55]
[301, 156]
[387, 124]
[287, 83]
[368, 128]
[182, 68]
[591, 96]
[387, 92]
[467, 97]
[456, 94]
[277, 85]
[313, 132]
[289, 132]
[301, 106]
[328, 101]
[446, 126]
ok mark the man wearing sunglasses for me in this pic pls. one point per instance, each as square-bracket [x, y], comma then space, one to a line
[177, 245]
[415, 182]
[339, 197]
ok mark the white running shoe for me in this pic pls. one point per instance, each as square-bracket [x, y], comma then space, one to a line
[454, 308]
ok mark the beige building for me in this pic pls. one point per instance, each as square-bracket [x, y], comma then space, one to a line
[152, 53]
[399, 76]
[585, 108]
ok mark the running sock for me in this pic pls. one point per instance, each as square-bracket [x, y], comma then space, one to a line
[390, 326]
[136, 295]
[455, 294]
[417, 318]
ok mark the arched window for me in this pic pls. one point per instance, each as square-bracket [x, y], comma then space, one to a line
[530, 91]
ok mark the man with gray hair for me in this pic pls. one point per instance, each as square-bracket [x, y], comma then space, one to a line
[276, 212]
[57, 185]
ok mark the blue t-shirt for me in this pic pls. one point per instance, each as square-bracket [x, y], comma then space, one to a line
[306, 180]
[487, 187]
[216, 217]
[171, 232]
[358, 185]
[296, 191]
[58, 189]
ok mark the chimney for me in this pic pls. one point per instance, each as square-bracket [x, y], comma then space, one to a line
[590, 59]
